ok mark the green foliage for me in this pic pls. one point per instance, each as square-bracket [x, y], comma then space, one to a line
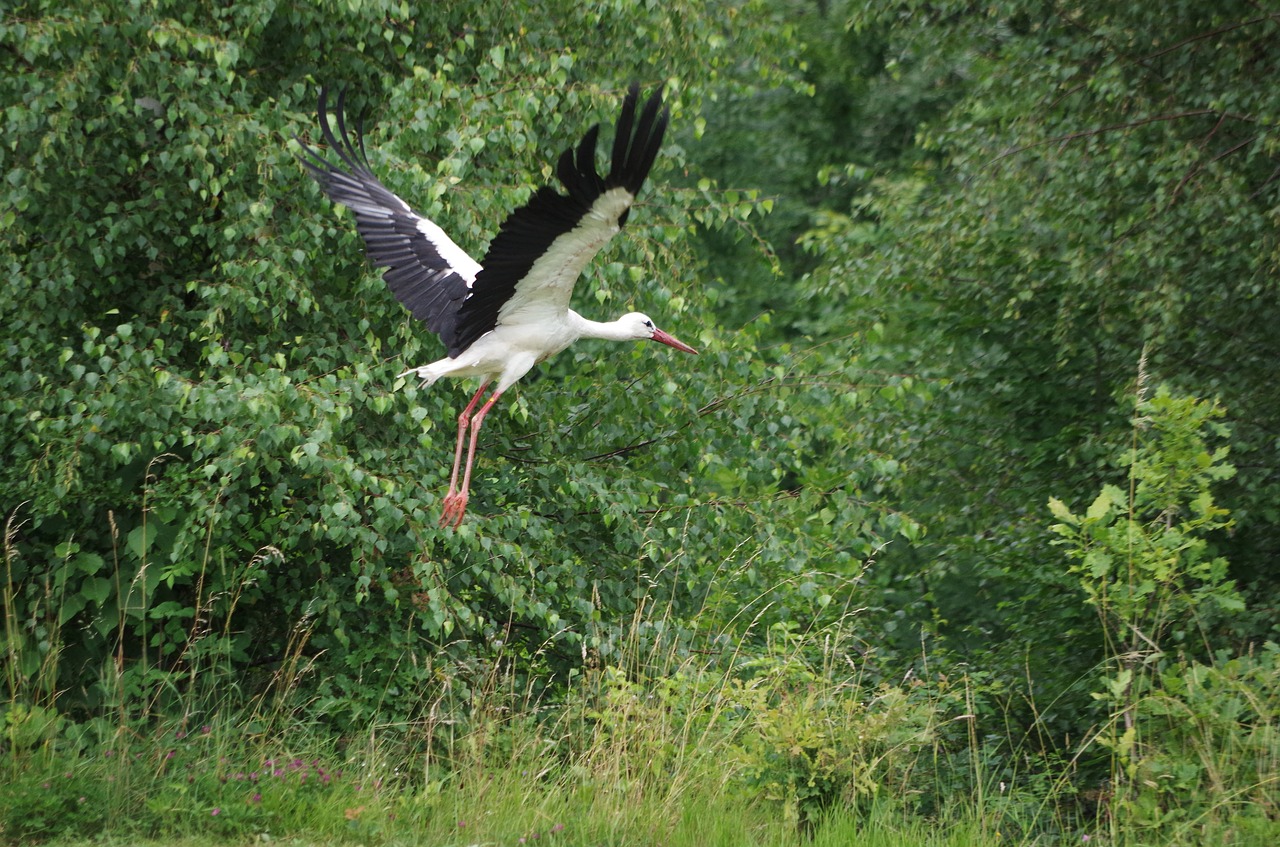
[27, 727]
[1096, 181]
[813, 146]
[1195, 746]
[701, 747]
[1191, 742]
[173, 782]
[1144, 557]
[213, 479]
[943, 235]
[40, 806]
[812, 741]
[170, 792]
[1213, 745]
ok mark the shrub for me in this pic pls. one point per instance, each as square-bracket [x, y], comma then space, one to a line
[814, 736]
[1192, 741]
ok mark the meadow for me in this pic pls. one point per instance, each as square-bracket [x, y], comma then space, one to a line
[795, 744]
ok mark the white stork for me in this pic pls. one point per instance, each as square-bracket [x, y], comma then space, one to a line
[500, 317]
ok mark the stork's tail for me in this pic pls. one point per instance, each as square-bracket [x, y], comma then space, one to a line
[425, 374]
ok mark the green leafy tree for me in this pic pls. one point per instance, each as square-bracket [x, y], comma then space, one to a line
[1143, 557]
[1101, 183]
[1146, 560]
[212, 477]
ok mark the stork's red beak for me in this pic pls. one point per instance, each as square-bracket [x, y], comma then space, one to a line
[671, 341]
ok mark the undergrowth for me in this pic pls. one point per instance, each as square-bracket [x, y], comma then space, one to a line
[696, 734]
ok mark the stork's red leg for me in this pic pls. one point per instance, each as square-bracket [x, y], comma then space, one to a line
[451, 497]
[475, 433]
[456, 507]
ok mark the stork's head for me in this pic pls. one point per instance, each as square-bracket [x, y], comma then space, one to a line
[640, 327]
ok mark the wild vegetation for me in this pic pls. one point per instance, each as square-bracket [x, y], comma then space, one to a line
[961, 530]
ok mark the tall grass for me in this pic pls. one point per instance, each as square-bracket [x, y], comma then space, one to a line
[687, 737]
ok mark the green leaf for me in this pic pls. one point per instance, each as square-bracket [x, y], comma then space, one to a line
[140, 539]
[1061, 512]
[97, 589]
[1101, 505]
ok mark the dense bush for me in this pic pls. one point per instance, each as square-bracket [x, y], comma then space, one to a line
[1096, 204]
[209, 463]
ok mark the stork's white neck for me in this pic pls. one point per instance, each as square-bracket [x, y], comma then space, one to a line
[609, 331]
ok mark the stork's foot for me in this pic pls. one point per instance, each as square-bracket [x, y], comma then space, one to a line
[455, 506]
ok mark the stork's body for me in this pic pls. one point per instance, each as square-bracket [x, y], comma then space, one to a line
[504, 316]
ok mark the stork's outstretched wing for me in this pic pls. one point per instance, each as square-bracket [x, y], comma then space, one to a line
[426, 271]
[539, 251]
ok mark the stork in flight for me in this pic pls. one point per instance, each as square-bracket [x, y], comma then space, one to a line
[500, 317]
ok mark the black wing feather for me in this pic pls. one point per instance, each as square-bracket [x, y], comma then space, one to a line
[531, 230]
[419, 276]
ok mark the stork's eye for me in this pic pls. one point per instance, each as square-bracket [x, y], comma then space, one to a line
[648, 324]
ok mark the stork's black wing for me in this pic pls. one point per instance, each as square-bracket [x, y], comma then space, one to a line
[426, 271]
[539, 251]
